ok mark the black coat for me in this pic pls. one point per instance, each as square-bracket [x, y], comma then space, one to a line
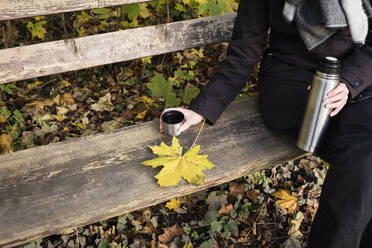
[254, 19]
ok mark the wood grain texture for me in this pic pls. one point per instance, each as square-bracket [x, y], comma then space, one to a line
[46, 189]
[12, 9]
[73, 54]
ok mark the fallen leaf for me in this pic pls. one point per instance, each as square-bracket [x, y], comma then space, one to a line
[110, 125]
[2, 119]
[153, 243]
[67, 97]
[57, 99]
[294, 226]
[215, 200]
[66, 83]
[104, 103]
[46, 129]
[320, 174]
[189, 166]
[188, 245]
[40, 104]
[58, 117]
[128, 114]
[62, 110]
[28, 139]
[287, 201]
[174, 204]
[291, 243]
[236, 188]
[252, 195]
[170, 233]
[225, 209]
[137, 225]
[5, 143]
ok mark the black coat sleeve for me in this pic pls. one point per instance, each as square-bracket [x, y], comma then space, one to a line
[244, 51]
[357, 67]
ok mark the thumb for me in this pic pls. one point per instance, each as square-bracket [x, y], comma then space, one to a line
[184, 126]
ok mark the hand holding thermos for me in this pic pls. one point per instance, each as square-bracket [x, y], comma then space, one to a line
[327, 97]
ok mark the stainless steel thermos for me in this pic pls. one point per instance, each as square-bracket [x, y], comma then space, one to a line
[316, 116]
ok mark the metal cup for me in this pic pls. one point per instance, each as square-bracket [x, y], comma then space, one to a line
[171, 121]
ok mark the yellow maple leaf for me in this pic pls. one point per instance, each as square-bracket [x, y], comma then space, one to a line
[287, 201]
[174, 204]
[189, 166]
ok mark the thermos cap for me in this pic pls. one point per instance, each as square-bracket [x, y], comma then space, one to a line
[330, 65]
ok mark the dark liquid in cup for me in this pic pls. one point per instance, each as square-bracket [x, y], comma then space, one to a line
[173, 117]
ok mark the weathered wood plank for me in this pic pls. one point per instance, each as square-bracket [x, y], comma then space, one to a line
[12, 9]
[46, 189]
[74, 54]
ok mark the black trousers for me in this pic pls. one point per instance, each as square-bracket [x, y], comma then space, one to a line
[343, 219]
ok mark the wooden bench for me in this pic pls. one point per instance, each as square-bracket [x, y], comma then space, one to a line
[47, 189]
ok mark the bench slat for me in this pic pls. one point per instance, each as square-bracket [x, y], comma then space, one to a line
[46, 189]
[73, 54]
[12, 9]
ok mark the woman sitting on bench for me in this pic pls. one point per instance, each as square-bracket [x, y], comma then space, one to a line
[302, 33]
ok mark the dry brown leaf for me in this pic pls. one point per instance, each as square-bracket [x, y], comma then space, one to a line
[294, 226]
[236, 188]
[225, 209]
[252, 195]
[128, 114]
[40, 104]
[67, 97]
[170, 233]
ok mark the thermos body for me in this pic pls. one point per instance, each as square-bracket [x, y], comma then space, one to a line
[316, 116]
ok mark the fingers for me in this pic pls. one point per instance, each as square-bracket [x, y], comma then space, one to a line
[341, 96]
[337, 109]
[337, 104]
[336, 99]
[335, 112]
[338, 89]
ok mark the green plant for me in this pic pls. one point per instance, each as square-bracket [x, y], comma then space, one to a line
[7, 88]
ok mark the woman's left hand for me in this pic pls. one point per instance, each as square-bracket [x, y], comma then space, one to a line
[337, 98]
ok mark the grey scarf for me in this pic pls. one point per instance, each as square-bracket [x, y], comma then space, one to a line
[317, 20]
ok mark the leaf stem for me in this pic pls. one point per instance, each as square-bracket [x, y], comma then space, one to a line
[198, 133]
[255, 222]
